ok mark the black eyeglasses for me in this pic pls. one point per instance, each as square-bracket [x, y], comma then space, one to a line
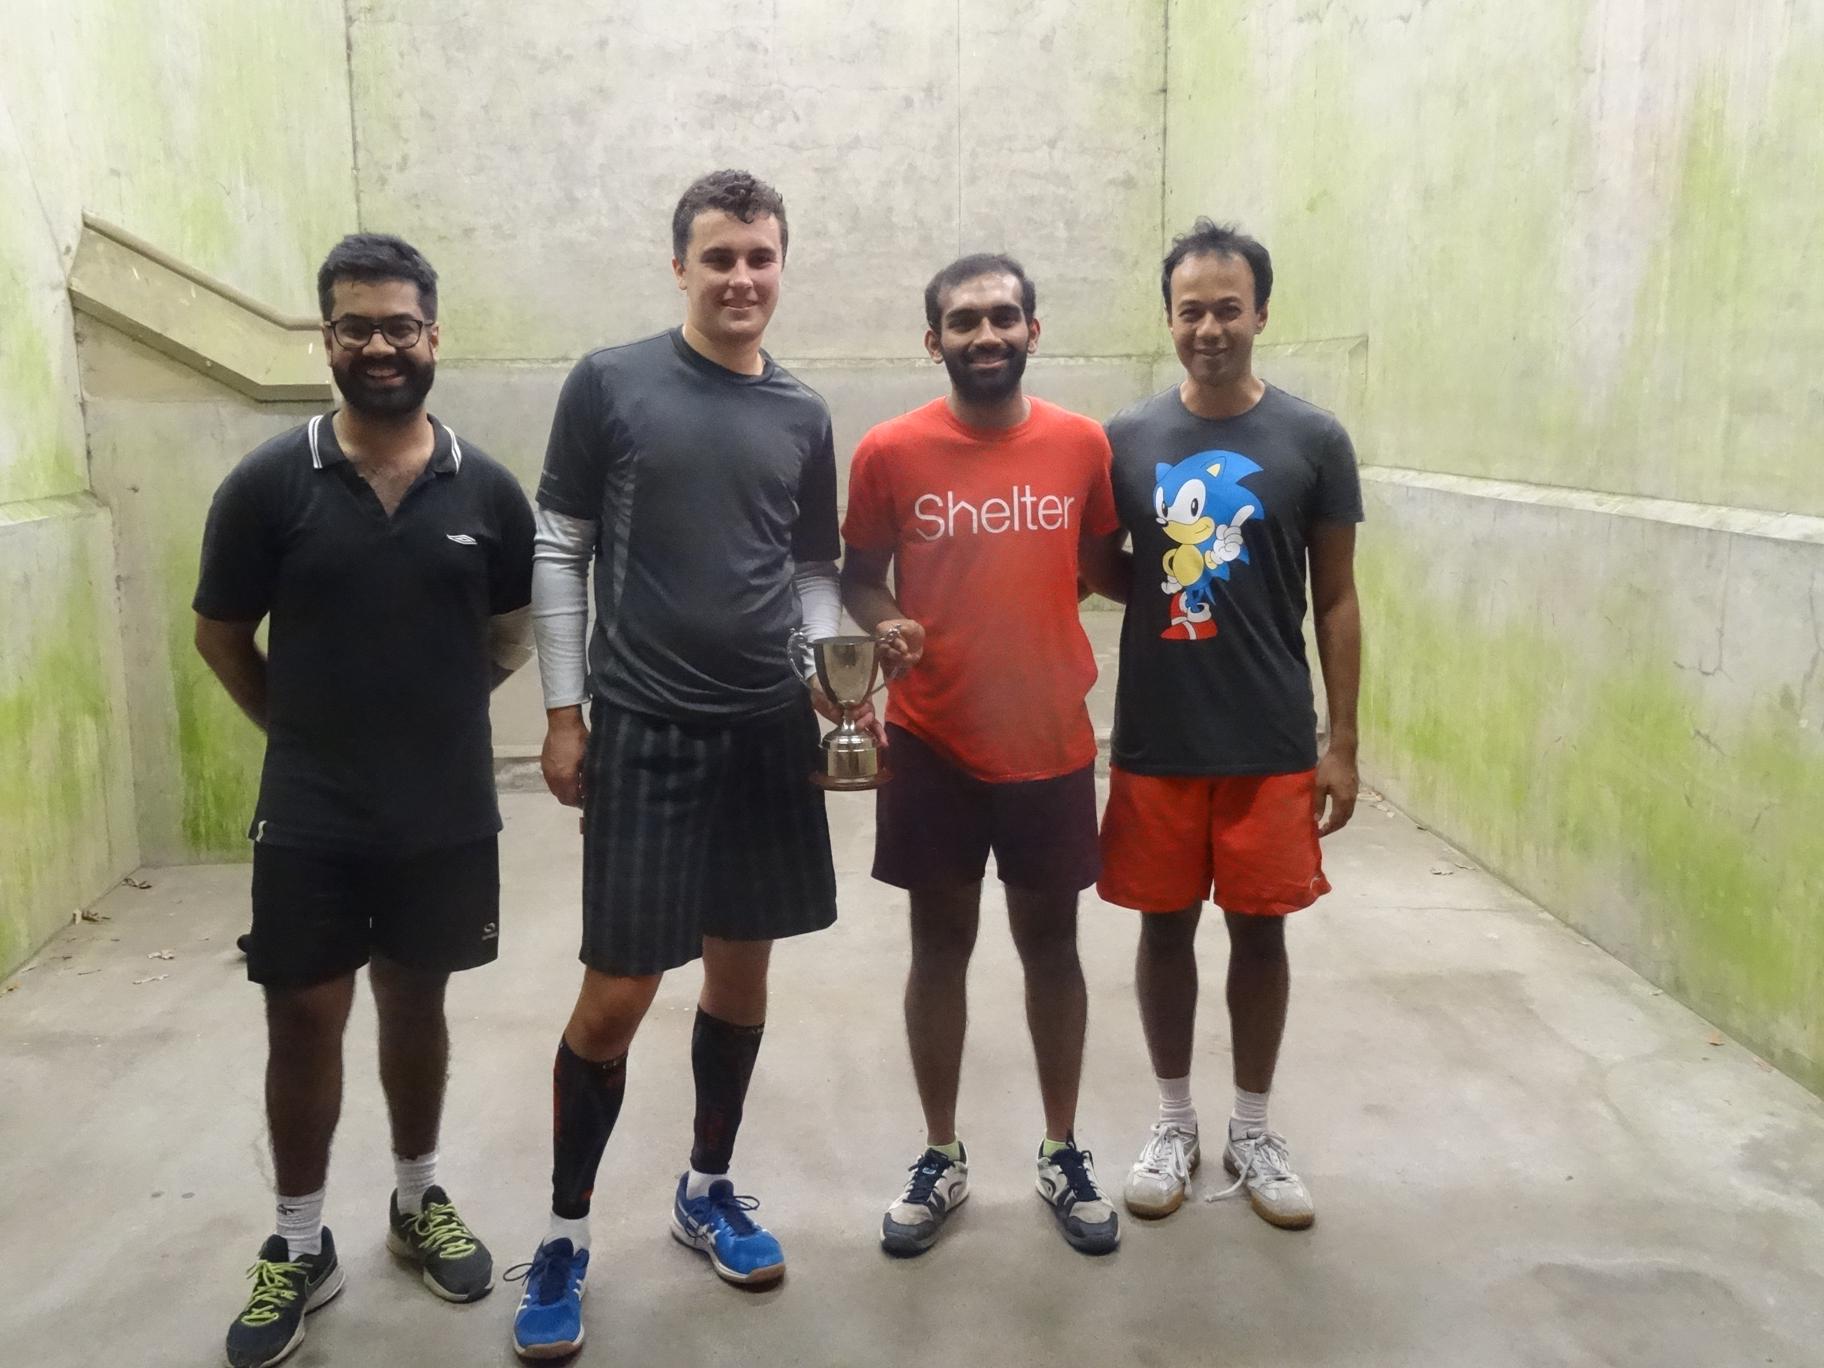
[400, 331]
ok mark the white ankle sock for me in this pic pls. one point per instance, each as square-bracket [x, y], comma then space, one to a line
[1175, 1102]
[564, 1228]
[411, 1177]
[697, 1184]
[1250, 1113]
[301, 1222]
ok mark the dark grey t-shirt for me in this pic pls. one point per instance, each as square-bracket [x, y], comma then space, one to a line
[706, 487]
[1213, 672]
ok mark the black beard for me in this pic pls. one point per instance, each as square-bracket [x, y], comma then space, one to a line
[377, 401]
[985, 389]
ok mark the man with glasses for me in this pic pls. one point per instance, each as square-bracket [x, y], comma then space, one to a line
[395, 564]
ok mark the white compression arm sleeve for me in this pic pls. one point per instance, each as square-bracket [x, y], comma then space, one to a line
[819, 603]
[819, 598]
[561, 549]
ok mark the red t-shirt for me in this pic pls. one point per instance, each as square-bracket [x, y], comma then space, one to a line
[983, 525]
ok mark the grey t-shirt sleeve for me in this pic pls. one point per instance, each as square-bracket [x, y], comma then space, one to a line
[240, 560]
[574, 460]
[815, 536]
[1338, 496]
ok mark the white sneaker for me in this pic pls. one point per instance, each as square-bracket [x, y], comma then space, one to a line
[1261, 1163]
[937, 1187]
[1161, 1175]
[1067, 1182]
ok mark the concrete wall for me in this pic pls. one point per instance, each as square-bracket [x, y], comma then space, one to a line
[1585, 270]
[221, 132]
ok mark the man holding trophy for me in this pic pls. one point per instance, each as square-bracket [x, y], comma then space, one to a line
[982, 503]
[700, 478]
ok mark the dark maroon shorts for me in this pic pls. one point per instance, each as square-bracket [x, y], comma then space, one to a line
[935, 824]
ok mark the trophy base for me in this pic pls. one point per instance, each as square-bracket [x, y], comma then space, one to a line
[850, 783]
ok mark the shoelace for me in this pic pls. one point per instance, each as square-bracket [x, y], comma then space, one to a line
[732, 1211]
[1074, 1164]
[440, 1231]
[272, 1290]
[925, 1174]
[1265, 1156]
[1167, 1152]
[547, 1277]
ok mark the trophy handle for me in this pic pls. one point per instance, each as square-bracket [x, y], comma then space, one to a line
[886, 677]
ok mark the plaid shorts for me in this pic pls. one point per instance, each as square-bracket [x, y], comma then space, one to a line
[700, 829]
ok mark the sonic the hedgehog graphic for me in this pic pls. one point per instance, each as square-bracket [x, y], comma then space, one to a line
[1201, 504]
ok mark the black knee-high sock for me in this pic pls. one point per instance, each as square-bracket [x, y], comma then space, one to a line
[722, 1058]
[585, 1101]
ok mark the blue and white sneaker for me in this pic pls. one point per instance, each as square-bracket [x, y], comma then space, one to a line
[549, 1322]
[717, 1223]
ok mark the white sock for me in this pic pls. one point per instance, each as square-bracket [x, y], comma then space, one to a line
[301, 1222]
[1175, 1102]
[1250, 1113]
[411, 1177]
[697, 1184]
[564, 1228]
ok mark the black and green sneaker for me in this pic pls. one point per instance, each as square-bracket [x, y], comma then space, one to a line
[284, 1289]
[457, 1266]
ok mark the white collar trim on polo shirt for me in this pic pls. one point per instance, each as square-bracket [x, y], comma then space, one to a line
[316, 449]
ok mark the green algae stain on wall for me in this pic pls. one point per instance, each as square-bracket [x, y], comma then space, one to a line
[40, 426]
[1719, 400]
[1598, 786]
[218, 751]
[234, 128]
[56, 724]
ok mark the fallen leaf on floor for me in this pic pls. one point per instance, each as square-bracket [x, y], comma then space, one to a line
[81, 972]
[1760, 1064]
[1460, 865]
[156, 978]
[1714, 1038]
[163, 954]
[1442, 869]
[89, 914]
[132, 882]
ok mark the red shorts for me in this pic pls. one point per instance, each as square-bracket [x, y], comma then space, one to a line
[1247, 842]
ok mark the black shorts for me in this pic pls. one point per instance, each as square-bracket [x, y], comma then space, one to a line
[318, 916]
[697, 829]
[934, 823]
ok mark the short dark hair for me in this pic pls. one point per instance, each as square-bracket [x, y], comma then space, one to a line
[376, 256]
[1209, 238]
[739, 194]
[968, 268]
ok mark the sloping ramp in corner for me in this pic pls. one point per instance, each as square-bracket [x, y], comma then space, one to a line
[193, 318]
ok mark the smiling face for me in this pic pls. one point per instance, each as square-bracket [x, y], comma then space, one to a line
[730, 276]
[379, 379]
[1214, 318]
[1184, 519]
[984, 337]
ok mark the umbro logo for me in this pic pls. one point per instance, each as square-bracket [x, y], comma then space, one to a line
[461, 538]
[491, 931]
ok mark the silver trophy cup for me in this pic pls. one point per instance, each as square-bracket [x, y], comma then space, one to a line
[847, 667]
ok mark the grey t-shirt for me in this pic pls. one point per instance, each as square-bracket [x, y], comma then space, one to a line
[1213, 672]
[706, 487]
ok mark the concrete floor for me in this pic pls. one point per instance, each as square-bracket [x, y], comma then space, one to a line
[1521, 1153]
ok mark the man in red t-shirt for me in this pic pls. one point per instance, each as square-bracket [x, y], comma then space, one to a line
[983, 504]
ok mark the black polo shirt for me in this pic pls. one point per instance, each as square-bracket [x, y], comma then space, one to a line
[378, 673]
